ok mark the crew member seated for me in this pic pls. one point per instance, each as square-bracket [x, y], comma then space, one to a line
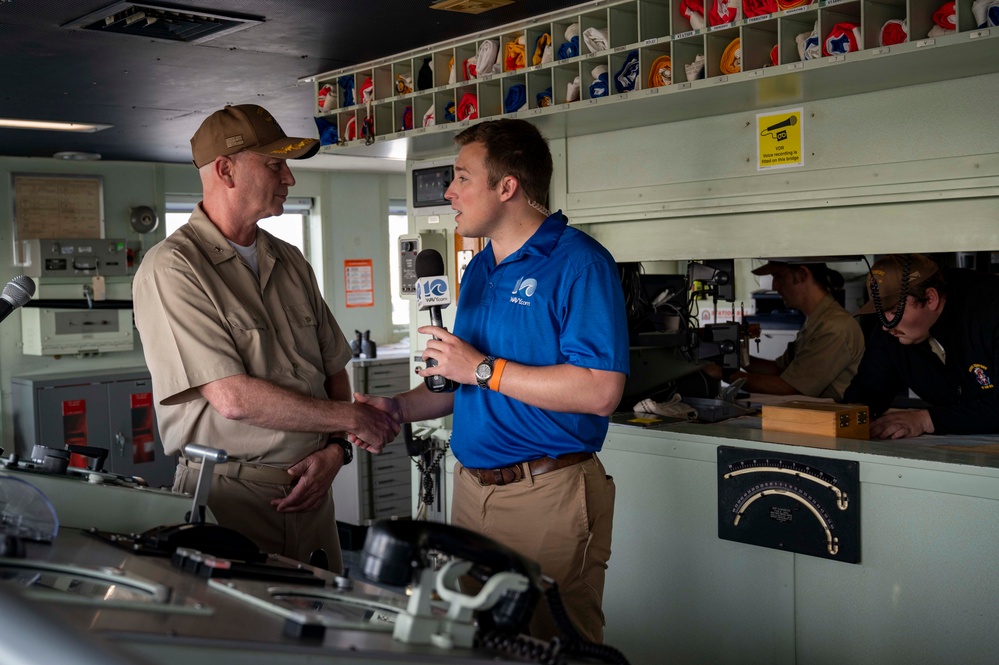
[939, 338]
[826, 351]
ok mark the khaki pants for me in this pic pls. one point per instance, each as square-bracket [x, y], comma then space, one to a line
[563, 521]
[246, 507]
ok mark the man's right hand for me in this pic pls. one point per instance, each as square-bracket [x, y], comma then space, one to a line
[378, 422]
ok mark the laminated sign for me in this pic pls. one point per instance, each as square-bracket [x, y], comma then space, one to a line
[779, 139]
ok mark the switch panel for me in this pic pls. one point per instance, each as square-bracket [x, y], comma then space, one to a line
[60, 257]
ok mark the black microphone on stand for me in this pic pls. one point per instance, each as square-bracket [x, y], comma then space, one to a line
[432, 293]
[17, 292]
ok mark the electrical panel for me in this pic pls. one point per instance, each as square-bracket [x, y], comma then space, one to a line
[54, 332]
[62, 257]
[110, 409]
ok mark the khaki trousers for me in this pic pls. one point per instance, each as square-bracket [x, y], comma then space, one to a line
[563, 521]
[246, 507]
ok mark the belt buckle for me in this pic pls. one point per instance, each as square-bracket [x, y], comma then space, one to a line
[516, 474]
[498, 478]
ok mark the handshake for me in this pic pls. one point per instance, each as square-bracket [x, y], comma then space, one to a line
[377, 420]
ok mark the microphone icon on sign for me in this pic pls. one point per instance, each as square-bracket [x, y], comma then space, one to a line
[789, 122]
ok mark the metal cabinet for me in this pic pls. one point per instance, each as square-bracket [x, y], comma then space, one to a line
[112, 410]
[376, 486]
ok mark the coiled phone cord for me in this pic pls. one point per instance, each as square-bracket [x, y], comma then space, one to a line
[574, 644]
[522, 647]
[528, 648]
[903, 294]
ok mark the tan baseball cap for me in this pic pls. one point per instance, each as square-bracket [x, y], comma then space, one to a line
[887, 272]
[771, 267]
[246, 127]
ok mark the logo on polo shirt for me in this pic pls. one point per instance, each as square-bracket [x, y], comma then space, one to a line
[527, 287]
[983, 379]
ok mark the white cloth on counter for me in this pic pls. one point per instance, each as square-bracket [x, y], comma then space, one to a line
[674, 408]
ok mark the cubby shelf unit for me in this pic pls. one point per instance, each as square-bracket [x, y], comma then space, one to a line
[772, 71]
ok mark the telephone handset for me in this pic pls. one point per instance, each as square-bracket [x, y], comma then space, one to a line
[396, 553]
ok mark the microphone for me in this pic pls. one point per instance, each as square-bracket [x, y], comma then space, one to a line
[433, 294]
[17, 292]
[790, 122]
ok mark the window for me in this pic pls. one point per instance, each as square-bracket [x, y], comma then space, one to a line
[289, 227]
[398, 225]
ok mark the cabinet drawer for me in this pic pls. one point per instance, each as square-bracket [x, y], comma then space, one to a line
[390, 480]
[383, 463]
[394, 449]
[398, 507]
[397, 489]
[394, 370]
[387, 386]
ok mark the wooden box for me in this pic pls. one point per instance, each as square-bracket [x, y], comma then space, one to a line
[846, 421]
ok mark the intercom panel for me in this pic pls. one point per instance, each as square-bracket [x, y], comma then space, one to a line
[410, 246]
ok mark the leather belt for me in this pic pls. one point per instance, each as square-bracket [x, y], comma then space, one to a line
[537, 467]
[243, 471]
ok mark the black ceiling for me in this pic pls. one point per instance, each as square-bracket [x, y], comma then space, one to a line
[156, 93]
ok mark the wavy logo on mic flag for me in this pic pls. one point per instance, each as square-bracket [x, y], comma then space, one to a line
[438, 287]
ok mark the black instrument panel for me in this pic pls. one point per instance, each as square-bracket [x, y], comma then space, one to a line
[797, 503]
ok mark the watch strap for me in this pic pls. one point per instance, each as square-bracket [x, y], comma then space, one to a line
[348, 449]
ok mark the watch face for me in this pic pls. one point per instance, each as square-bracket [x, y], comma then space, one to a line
[483, 371]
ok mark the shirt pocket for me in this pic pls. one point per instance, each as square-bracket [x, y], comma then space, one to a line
[305, 330]
[301, 316]
[249, 333]
[244, 320]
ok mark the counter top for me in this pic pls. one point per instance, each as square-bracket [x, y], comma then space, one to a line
[974, 451]
[384, 353]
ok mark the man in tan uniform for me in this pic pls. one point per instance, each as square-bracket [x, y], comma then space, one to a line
[244, 353]
[826, 352]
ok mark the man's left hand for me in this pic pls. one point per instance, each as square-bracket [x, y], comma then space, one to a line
[902, 425]
[314, 475]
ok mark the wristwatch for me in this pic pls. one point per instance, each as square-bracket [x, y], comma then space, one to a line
[484, 372]
[348, 450]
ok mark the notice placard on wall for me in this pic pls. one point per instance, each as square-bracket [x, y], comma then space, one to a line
[780, 139]
[58, 206]
[359, 283]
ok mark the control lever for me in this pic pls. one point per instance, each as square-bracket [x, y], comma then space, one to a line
[98, 455]
[729, 393]
[208, 457]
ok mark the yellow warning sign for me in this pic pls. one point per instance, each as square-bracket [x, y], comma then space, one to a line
[780, 139]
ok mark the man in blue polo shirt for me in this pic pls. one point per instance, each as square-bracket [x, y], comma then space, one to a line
[540, 348]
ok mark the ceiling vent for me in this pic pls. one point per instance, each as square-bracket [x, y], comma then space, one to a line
[470, 6]
[163, 22]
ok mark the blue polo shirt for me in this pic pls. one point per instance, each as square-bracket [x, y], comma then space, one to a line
[558, 299]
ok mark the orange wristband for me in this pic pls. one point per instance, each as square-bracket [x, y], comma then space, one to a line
[494, 380]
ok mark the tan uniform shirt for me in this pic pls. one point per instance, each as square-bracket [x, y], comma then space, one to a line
[203, 315]
[827, 352]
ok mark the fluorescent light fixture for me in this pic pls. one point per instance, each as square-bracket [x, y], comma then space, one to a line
[74, 155]
[83, 127]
